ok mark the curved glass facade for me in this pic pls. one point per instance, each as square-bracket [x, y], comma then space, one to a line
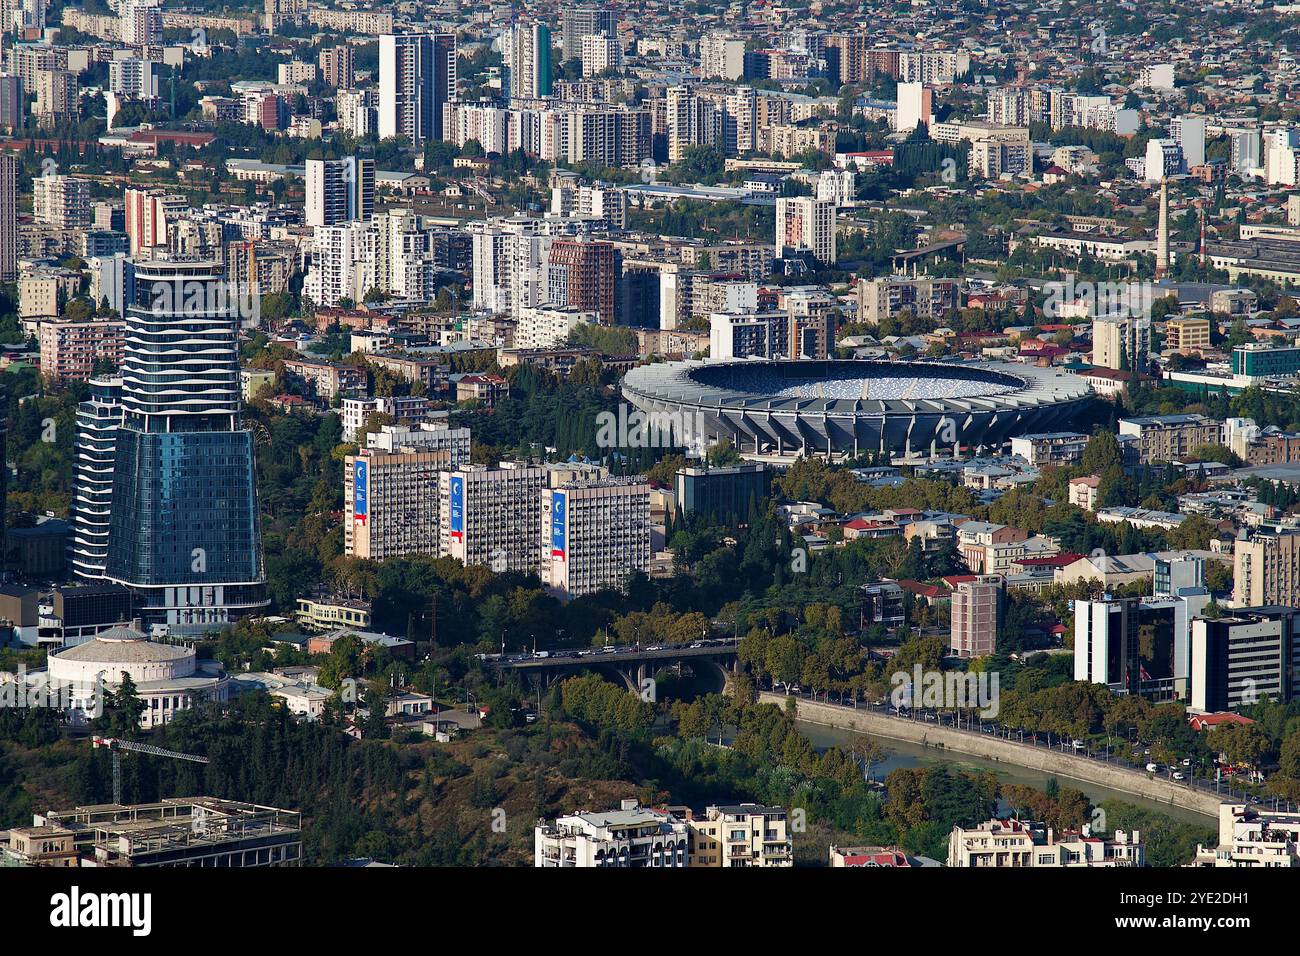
[184, 532]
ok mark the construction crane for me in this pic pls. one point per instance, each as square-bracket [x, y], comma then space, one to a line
[116, 745]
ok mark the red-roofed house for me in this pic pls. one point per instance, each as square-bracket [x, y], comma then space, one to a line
[868, 528]
[1201, 722]
[868, 856]
[1083, 492]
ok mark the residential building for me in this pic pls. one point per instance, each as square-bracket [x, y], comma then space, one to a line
[417, 76]
[1188, 335]
[526, 61]
[740, 835]
[9, 163]
[1166, 438]
[722, 57]
[71, 350]
[1266, 566]
[580, 21]
[61, 201]
[391, 503]
[1083, 492]
[492, 516]
[94, 452]
[1253, 837]
[806, 225]
[887, 296]
[1015, 844]
[1121, 343]
[915, 106]
[423, 436]
[632, 836]
[595, 535]
[976, 615]
[339, 190]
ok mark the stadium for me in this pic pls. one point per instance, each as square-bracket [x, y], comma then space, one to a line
[854, 406]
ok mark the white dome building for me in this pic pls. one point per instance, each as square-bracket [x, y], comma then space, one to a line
[167, 677]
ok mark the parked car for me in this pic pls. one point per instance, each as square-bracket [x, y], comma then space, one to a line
[1153, 768]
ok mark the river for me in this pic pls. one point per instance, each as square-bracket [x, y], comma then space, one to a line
[903, 754]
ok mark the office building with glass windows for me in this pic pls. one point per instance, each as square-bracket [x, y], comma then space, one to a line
[183, 533]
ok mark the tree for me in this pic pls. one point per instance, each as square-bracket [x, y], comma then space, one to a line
[1102, 453]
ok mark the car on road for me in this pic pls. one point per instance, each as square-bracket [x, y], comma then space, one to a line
[1153, 768]
[1079, 745]
[541, 654]
[1178, 775]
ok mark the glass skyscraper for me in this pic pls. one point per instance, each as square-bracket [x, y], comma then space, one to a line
[183, 532]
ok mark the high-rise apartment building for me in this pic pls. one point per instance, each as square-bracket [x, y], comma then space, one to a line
[1266, 567]
[585, 274]
[338, 66]
[601, 54]
[8, 217]
[12, 104]
[390, 503]
[417, 76]
[915, 106]
[94, 451]
[1122, 343]
[339, 190]
[184, 531]
[58, 97]
[61, 201]
[141, 22]
[804, 224]
[976, 615]
[492, 516]
[526, 61]
[578, 22]
[147, 212]
[722, 57]
[594, 535]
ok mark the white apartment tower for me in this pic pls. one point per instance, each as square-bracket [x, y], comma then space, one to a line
[722, 57]
[417, 77]
[61, 201]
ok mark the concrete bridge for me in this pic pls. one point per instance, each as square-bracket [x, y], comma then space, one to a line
[636, 665]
